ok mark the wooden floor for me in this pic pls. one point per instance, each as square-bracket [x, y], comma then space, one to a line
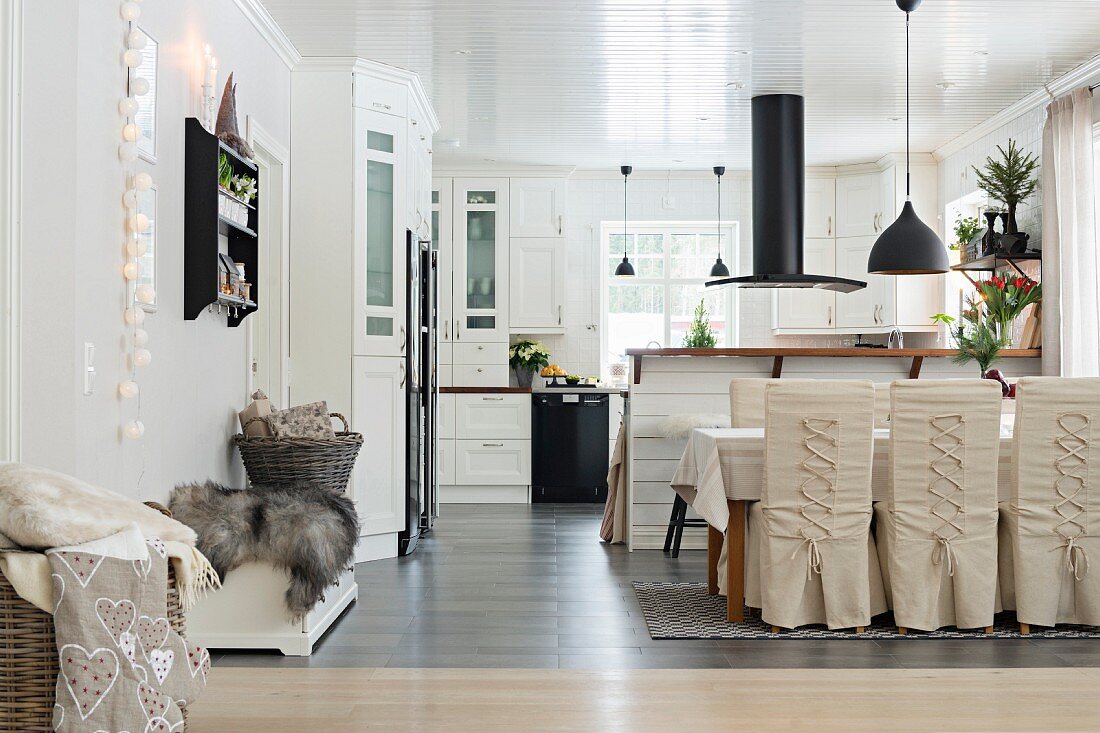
[245, 700]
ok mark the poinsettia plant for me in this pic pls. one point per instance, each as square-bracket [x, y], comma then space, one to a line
[1005, 298]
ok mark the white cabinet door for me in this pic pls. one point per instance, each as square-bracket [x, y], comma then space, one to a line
[537, 207]
[537, 285]
[446, 415]
[889, 208]
[378, 398]
[809, 309]
[820, 209]
[493, 462]
[445, 460]
[480, 260]
[488, 416]
[443, 244]
[379, 220]
[858, 204]
[858, 309]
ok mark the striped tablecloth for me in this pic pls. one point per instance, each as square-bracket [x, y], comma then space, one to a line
[728, 463]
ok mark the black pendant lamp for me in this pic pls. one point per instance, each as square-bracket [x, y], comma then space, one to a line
[719, 269]
[908, 246]
[625, 269]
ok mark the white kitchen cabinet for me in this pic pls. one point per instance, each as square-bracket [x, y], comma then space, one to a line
[445, 461]
[537, 285]
[493, 462]
[858, 204]
[871, 308]
[381, 166]
[537, 207]
[480, 260]
[479, 375]
[378, 395]
[489, 416]
[480, 354]
[446, 415]
[442, 245]
[820, 209]
[806, 310]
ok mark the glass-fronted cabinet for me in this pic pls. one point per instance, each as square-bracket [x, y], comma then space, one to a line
[441, 244]
[480, 260]
[381, 307]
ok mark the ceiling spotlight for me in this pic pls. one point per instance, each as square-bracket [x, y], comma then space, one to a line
[462, 52]
[735, 84]
[481, 118]
[490, 160]
[981, 52]
[893, 119]
[702, 119]
[944, 85]
[741, 52]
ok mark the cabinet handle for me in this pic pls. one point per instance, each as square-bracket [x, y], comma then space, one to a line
[480, 370]
[559, 223]
[458, 330]
[402, 384]
[559, 315]
[492, 445]
[830, 311]
[382, 106]
[446, 330]
[481, 348]
[829, 227]
[404, 338]
[493, 399]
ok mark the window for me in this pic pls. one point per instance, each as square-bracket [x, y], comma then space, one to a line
[672, 261]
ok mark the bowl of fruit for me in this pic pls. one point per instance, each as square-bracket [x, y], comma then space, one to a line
[552, 372]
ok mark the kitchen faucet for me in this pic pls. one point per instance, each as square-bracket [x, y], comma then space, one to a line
[895, 331]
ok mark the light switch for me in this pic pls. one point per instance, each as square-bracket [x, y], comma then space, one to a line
[89, 369]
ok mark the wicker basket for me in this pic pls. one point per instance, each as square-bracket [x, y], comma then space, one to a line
[277, 462]
[28, 657]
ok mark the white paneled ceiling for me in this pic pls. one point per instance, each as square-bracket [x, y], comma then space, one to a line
[666, 84]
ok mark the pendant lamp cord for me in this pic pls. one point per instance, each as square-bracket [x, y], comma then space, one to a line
[625, 240]
[907, 193]
[719, 222]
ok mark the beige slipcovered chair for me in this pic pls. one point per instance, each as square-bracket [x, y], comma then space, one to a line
[818, 563]
[937, 531]
[882, 404]
[747, 401]
[1047, 540]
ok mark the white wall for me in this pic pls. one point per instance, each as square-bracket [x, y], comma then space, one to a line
[72, 245]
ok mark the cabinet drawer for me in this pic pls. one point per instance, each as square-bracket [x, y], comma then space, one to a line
[381, 96]
[445, 462]
[493, 462]
[446, 416]
[446, 354]
[495, 353]
[471, 375]
[445, 375]
[493, 416]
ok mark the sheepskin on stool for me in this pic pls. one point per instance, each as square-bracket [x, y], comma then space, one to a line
[309, 530]
[678, 427]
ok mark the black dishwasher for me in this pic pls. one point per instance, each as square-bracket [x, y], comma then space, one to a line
[570, 447]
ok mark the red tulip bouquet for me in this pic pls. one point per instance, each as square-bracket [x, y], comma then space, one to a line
[1005, 299]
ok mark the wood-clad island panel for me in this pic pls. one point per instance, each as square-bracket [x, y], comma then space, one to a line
[696, 382]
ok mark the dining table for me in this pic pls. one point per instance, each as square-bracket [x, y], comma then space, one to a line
[722, 471]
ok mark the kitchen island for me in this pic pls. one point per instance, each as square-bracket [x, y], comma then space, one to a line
[667, 382]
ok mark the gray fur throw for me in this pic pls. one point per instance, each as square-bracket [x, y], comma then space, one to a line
[309, 530]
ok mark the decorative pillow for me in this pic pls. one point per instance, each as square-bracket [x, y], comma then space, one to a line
[303, 421]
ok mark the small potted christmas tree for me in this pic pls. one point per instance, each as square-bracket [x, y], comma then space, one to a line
[699, 336]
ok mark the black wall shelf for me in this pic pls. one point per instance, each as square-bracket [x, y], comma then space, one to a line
[997, 261]
[203, 224]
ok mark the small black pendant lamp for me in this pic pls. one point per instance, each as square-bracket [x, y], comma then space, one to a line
[719, 269]
[908, 246]
[625, 269]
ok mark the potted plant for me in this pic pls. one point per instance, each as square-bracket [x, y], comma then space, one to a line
[699, 335]
[974, 337]
[965, 229]
[527, 357]
[1010, 179]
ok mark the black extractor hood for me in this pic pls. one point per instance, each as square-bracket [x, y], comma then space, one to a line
[779, 199]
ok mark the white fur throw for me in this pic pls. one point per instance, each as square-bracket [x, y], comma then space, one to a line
[41, 508]
[678, 427]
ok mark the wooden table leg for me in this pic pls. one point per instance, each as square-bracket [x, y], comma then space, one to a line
[735, 561]
[714, 550]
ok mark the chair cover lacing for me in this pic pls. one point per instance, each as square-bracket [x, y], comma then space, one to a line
[1072, 467]
[946, 485]
[819, 488]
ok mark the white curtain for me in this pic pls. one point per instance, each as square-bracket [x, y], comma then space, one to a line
[1071, 267]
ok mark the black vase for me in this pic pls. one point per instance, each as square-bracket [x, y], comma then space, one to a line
[989, 241]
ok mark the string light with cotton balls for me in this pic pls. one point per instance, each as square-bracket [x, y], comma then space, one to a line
[136, 223]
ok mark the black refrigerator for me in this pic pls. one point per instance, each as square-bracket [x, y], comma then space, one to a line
[420, 394]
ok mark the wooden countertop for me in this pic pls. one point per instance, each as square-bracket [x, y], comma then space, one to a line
[485, 390]
[778, 354]
[832, 352]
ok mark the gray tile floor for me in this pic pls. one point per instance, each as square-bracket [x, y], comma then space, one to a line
[532, 586]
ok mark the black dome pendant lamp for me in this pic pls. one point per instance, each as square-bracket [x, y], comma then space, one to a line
[625, 269]
[908, 246]
[719, 269]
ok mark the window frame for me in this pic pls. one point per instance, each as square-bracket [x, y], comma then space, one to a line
[731, 229]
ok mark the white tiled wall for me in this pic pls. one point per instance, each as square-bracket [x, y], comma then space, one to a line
[957, 178]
